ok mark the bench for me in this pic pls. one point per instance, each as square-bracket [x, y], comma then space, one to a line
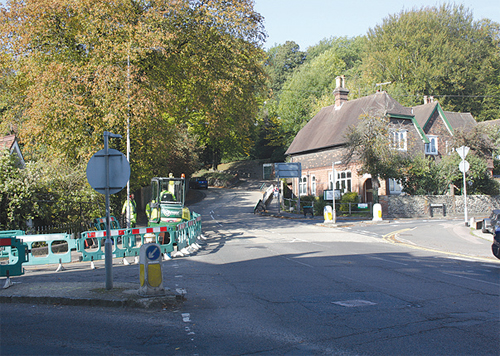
[308, 210]
[437, 206]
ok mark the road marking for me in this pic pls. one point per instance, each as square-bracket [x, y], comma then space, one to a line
[472, 279]
[186, 317]
[391, 237]
[354, 303]
[383, 259]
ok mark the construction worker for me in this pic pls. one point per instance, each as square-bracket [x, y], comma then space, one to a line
[130, 211]
[151, 213]
[167, 195]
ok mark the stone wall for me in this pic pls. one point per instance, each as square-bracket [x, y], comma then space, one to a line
[478, 206]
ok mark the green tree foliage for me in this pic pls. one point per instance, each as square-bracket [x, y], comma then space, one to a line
[369, 143]
[49, 191]
[281, 62]
[180, 70]
[17, 188]
[438, 51]
[302, 94]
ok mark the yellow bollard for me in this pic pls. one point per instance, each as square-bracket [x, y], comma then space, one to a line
[328, 214]
[150, 276]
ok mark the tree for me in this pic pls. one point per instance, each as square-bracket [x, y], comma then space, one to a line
[439, 51]
[369, 143]
[82, 67]
[17, 188]
[306, 91]
[281, 62]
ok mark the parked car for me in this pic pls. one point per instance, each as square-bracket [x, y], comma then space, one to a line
[495, 248]
[490, 224]
[198, 183]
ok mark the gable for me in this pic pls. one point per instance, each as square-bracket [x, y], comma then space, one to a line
[328, 128]
[10, 142]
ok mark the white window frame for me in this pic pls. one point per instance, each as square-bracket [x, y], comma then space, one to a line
[431, 148]
[303, 186]
[344, 181]
[330, 180]
[399, 140]
[313, 185]
[395, 186]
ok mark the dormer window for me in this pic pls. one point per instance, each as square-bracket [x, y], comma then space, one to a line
[431, 148]
[398, 140]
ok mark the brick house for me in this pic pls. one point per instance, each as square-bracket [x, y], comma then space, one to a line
[321, 142]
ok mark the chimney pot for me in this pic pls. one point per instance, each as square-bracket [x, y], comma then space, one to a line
[340, 91]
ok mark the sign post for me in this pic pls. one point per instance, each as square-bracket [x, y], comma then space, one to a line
[464, 167]
[334, 180]
[289, 170]
[108, 172]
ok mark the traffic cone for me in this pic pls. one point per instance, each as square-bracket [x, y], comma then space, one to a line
[125, 262]
[92, 265]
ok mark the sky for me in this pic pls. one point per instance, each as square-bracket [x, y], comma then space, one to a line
[307, 22]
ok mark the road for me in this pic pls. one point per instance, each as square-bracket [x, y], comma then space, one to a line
[268, 286]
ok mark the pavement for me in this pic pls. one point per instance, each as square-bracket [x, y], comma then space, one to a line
[63, 284]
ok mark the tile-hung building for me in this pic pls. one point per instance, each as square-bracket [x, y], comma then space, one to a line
[321, 142]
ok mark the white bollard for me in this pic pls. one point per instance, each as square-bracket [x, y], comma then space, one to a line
[328, 214]
[377, 212]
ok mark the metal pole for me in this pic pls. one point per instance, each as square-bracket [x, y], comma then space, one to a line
[108, 247]
[465, 193]
[334, 178]
[128, 137]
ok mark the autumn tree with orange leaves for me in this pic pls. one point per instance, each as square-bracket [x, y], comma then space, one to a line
[186, 74]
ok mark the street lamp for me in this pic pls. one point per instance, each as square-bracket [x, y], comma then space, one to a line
[333, 188]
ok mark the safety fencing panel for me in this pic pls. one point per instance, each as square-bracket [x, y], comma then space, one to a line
[17, 256]
[163, 236]
[49, 248]
[5, 251]
[91, 244]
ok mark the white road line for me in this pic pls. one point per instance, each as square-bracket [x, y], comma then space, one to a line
[383, 259]
[472, 279]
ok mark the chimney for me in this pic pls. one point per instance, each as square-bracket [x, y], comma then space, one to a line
[428, 99]
[340, 92]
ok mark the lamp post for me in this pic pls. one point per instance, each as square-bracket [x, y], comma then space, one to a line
[334, 212]
[128, 137]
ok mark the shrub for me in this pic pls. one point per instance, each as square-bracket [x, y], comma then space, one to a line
[351, 197]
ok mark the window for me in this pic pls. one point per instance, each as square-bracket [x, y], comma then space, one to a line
[395, 186]
[303, 186]
[398, 140]
[343, 182]
[313, 185]
[330, 180]
[431, 148]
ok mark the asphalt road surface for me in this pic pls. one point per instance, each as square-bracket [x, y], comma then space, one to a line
[268, 286]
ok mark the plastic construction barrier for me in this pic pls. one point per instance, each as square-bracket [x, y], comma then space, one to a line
[49, 248]
[91, 244]
[17, 256]
[188, 232]
[5, 251]
[164, 237]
